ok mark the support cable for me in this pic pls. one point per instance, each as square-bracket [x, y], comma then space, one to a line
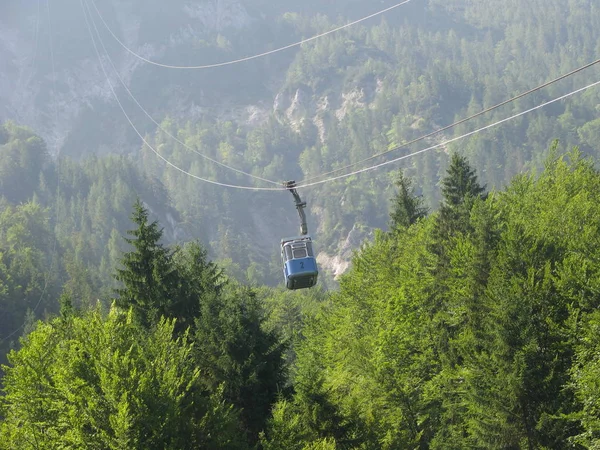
[449, 141]
[146, 143]
[157, 124]
[373, 167]
[447, 127]
[247, 58]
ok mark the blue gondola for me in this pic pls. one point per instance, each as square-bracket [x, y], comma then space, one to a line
[299, 264]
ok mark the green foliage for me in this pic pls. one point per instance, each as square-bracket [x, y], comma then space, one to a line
[407, 208]
[483, 352]
[293, 427]
[586, 381]
[235, 351]
[29, 270]
[529, 340]
[151, 283]
[23, 157]
[106, 382]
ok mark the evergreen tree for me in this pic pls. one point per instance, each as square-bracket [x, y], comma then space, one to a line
[201, 280]
[407, 208]
[235, 351]
[448, 302]
[460, 188]
[151, 282]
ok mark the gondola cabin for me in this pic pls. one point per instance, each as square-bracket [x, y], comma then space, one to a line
[299, 264]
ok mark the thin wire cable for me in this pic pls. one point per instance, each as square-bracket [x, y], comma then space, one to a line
[53, 256]
[156, 123]
[247, 58]
[357, 171]
[433, 133]
[250, 188]
[351, 173]
[377, 166]
[304, 185]
[447, 127]
[413, 141]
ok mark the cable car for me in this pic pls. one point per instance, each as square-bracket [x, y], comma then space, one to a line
[299, 265]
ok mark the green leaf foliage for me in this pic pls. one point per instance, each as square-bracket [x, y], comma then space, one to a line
[151, 284]
[23, 158]
[493, 350]
[108, 383]
[238, 353]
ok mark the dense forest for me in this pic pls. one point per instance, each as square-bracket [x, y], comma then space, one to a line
[296, 114]
[475, 326]
[143, 308]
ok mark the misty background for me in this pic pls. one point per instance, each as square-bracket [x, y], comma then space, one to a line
[291, 115]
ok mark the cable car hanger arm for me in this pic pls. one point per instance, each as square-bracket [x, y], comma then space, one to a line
[300, 205]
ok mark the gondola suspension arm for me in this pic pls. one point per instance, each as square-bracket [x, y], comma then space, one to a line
[300, 205]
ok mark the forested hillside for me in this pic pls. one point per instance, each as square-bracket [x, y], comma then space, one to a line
[305, 111]
[141, 295]
[475, 326]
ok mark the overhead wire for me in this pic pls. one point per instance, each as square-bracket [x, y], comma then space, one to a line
[247, 58]
[398, 147]
[158, 125]
[308, 182]
[459, 122]
[305, 185]
[406, 144]
[146, 143]
[449, 141]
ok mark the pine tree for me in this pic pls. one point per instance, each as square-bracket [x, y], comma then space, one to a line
[201, 280]
[234, 351]
[460, 188]
[449, 305]
[407, 208]
[150, 279]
